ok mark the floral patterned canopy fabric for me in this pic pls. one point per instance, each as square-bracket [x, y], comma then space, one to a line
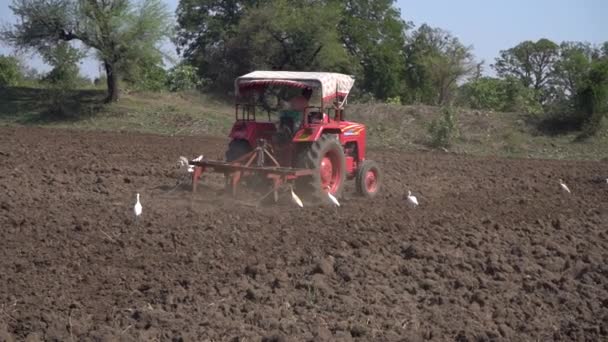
[332, 85]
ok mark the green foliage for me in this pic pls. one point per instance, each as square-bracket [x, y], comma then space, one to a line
[592, 98]
[572, 66]
[205, 28]
[503, 95]
[63, 79]
[530, 62]
[520, 99]
[444, 130]
[148, 76]
[482, 93]
[435, 62]
[183, 77]
[394, 100]
[374, 34]
[123, 34]
[224, 39]
[64, 59]
[280, 35]
[10, 71]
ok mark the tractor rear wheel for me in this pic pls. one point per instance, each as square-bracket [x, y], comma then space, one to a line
[369, 179]
[237, 149]
[326, 157]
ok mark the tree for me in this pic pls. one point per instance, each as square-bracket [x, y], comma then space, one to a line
[291, 35]
[374, 34]
[226, 38]
[121, 32]
[435, 62]
[204, 27]
[592, 96]
[10, 71]
[530, 62]
[64, 59]
[276, 35]
[574, 61]
[604, 50]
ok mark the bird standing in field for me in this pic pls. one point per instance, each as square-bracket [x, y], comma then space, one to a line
[137, 209]
[412, 201]
[564, 186]
[296, 199]
[183, 161]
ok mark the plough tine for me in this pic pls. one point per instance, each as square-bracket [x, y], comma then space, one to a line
[272, 158]
[275, 191]
[196, 176]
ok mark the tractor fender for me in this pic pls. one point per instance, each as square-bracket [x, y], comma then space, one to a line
[311, 134]
[251, 131]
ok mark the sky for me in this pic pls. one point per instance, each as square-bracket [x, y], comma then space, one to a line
[489, 26]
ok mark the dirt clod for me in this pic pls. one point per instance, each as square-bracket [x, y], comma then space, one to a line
[493, 253]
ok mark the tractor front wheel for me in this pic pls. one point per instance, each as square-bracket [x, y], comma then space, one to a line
[369, 179]
[326, 157]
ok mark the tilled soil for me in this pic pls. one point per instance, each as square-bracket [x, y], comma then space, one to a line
[495, 251]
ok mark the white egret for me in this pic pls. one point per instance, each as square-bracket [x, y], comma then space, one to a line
[183, 161]
[137, 209]
[333, 199]
[564, 186]
[296, 199]
[412, 201]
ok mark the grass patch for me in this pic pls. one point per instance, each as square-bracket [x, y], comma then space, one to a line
[164, 113]
[388, 125]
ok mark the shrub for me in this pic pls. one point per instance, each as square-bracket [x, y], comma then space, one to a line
[148, 77]
[444, 129]
[483, 93]
[503, 95]
[10, 71]
[63, 78]
[518, 98]
[592, 100]
[394, 100]
[183, 77]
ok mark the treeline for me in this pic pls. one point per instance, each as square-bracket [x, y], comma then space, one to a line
[392, 59]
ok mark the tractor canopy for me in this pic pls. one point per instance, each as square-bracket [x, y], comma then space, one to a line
[333, 86]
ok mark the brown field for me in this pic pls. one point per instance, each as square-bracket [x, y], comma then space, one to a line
[496, 250]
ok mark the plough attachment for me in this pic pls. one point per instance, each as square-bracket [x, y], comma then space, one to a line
[259, 162]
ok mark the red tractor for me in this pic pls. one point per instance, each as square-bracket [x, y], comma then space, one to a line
[311, 146]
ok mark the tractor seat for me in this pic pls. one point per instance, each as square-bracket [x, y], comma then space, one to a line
[286, 122]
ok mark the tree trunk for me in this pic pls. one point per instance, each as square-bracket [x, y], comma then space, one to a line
[112, 80]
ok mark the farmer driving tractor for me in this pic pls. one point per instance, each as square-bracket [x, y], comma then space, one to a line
[292, 117]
